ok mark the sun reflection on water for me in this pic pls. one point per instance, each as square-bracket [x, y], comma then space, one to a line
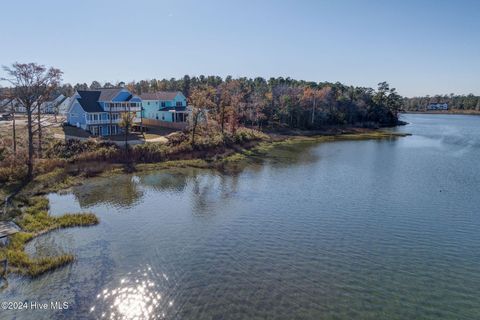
[136, 297]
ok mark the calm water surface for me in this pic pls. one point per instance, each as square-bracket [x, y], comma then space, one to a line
[345, 230]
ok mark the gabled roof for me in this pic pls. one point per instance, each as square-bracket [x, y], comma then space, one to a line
[160, 95]
[109, 93]
[89, 101]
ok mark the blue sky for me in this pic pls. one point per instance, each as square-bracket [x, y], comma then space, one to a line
[420, 47]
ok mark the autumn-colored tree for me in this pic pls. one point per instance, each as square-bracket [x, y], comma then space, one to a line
[201, 101]
[231, 101]
[259, 102]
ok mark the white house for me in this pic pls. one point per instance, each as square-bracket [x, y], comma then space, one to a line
[437, 106]
[64, 106]
[8, 104]
[167, 106]
[51, 107]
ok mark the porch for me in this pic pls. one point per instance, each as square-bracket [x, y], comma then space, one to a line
[104, 129]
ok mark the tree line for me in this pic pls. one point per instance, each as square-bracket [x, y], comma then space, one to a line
[455, 102]
[276, 101]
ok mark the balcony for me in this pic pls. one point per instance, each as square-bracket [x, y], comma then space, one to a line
[114, 121]
[122, 107]
[103, 121]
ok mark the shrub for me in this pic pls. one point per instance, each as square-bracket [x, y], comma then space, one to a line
[75, 148]
[177, 138]
[243, 135]
[86, 168]
[48, 165]
[12, 173]
[149, 152]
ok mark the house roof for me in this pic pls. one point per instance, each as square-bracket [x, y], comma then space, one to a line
[109, 93]
[89, 98]
[160, 95]
[89, 101]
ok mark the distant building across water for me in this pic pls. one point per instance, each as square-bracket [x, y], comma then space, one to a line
[437, 106]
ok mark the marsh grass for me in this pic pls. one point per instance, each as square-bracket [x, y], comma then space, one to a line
[35, 221]
[264, 146]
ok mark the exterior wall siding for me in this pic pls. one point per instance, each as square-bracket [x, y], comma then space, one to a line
[180, 98]
[150, 107]
[76, 115]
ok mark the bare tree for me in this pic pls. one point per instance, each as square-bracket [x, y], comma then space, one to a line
[311, 95]
[32, 84]
[258, 105]
[39, 105]
[8, 101]
[56, 108]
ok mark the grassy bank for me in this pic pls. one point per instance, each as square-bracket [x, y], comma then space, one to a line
[263, 147]
[34, 221]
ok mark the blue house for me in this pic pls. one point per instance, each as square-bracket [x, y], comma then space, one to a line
[167, 106]
[99, 111]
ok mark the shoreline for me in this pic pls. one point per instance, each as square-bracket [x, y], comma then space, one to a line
[463, 113]
[35, 220]
[209, 159]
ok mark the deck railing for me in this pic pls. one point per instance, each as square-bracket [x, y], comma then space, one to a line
[122, 109]
[122, 106]
[107, 121]
[103, 121]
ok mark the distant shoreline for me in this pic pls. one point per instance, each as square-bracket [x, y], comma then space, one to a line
[452, 112]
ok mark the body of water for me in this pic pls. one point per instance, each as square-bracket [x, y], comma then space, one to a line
[372, 229]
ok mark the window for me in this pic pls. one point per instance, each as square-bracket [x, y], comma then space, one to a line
[148, 102]
[179, 103]
[164, 104]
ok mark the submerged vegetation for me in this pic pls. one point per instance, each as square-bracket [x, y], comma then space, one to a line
[35, 221]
